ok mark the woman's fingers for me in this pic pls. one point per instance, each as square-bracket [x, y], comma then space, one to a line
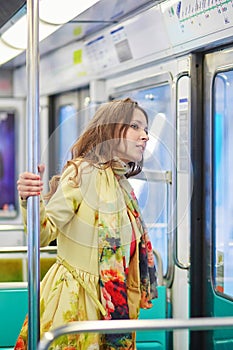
[29, 184]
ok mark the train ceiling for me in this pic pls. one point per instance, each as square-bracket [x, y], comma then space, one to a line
[102, 14]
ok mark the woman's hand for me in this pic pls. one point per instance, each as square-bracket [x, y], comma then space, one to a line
[145, 303]
[30, 184]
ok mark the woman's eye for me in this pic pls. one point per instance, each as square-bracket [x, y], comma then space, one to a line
[134, 126]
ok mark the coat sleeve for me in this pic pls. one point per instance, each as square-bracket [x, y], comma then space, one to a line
[61, 208]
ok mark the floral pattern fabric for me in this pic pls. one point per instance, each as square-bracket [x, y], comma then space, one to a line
[90, 280]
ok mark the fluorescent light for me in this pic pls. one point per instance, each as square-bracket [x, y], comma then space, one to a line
[7, 53]
[62, 11]
[16, 36]
[53, 13]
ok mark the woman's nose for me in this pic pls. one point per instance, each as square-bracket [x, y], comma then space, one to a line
[144, 135]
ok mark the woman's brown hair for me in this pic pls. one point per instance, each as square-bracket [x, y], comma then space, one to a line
[97, 143]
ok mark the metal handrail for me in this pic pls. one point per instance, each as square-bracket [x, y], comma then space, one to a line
[24, 249]
[33, 150]
[155, 176]
[159, 266]
[177, 262]
[124, 326]
[12, 227]
[13, 285]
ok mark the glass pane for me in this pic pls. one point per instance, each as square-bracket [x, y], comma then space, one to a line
[223, 183]
[68, 132]
[153, 195]
[7, 165]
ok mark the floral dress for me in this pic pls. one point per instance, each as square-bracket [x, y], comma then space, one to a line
[95, 277]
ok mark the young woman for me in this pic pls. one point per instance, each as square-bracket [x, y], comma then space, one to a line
[105, 267]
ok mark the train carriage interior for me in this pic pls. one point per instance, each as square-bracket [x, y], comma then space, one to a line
[175, 57]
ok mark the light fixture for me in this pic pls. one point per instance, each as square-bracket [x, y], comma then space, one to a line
[63, 11]
[52, 13]
[16, 36]
[7, 53]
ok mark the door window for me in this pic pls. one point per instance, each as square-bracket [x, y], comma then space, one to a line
[223, 183]
[152, 187]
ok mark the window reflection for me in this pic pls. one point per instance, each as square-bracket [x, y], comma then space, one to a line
[7, 165]
[223, 183]
[68, 132]
[153, 195]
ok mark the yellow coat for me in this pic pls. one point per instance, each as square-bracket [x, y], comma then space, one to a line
[70, 217]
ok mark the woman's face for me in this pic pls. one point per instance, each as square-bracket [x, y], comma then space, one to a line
[132, 147]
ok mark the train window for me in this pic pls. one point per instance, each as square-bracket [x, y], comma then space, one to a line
[70, 113]
[223, 183]
[68, 132]
[151, 187]
[7, 165]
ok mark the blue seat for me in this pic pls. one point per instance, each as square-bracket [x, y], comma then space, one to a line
[13, 309]
[148, 340]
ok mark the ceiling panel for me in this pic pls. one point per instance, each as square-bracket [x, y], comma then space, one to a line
[102, 14]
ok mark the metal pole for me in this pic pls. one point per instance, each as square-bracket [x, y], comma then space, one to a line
[33, 160]
[124, 326]
[22, 249]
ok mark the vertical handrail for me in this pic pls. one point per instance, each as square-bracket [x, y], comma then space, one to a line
[32, 164]
[177, 262]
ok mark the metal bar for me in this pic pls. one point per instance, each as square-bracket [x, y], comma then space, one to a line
[155, 176]
[170, 207]
[124, 326]
[13, 286]
[18, 249]
[159, 267]
[11, 228]
[177, 262]
[33, 161]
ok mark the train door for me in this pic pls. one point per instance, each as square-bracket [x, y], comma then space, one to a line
[165, 178]
[218, 189]
[70, 112]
